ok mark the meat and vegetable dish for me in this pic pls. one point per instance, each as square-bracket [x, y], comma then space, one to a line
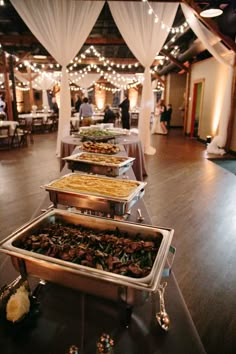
[111, 250]
[101, 148]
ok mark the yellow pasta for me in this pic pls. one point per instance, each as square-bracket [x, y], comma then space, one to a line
[96, 185]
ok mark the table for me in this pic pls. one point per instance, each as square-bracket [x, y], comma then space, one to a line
[9, 123]
[131, 144]
[70, 317]
[30, 116]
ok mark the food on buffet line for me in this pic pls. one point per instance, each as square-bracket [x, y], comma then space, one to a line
[18, 305]
[101, 158]
[95, 133]
[101, 148]
[96, 185]
[111, 250]
[15, 300]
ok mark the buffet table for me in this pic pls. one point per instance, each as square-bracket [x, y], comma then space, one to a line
[69, 317]
[131, 144]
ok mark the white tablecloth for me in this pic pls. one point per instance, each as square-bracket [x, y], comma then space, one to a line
[11, 123]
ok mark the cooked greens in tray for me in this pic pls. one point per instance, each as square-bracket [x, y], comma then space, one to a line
[109, 250]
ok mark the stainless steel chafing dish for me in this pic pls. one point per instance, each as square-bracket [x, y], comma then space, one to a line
[103, 165]
[98, 201]
[89, 280]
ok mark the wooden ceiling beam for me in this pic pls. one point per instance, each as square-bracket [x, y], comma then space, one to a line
[211, 25]
[174, 60]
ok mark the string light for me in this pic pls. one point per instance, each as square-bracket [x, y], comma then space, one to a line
[178, 29]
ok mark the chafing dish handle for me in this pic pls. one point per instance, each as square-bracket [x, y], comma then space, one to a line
[167, 271]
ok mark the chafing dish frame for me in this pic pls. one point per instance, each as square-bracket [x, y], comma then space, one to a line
[82, 200]
[102, 168]
[90, 280]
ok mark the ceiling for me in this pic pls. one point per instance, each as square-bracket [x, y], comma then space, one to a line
[16, 38]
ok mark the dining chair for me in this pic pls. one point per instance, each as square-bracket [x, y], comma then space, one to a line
[37, 125]
[26, 126]
[48, 124]
[5, 138]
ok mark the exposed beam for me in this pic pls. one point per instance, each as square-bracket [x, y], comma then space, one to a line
[211, 25]
[174, 60]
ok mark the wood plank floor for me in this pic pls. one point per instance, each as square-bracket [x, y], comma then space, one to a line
[185, 191]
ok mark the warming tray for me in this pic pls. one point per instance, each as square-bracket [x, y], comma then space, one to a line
[101, 200]
[90, 280]
[101, 147]
[99, 163]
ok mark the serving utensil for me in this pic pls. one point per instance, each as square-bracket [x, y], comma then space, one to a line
[162, 317]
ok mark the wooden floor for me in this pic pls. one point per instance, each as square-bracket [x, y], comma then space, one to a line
[185, 191]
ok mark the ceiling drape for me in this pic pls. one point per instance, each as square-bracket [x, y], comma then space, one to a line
[44, 82]
[225, 57]
[145, 39]
[62, 27]
[86, 81]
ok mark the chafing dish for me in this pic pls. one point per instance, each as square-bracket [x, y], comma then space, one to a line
[106, 203]
[101, 148]
[99, 163]
[90, 280]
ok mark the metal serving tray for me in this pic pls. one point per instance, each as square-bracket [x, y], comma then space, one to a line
[90, 280]
[98, 202]
[108, 168]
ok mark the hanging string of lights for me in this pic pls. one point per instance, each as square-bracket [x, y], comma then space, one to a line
[151, 12]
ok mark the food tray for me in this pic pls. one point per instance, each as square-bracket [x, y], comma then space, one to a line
[99, 163]
[101, 147]
[115, 205]
[90, 280]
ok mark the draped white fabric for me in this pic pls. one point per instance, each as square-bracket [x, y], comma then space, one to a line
[62, 27]
[44, 82]
[225, 57]
[86, 81]
[145, 39]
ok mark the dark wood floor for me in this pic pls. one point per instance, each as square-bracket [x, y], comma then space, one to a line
[185, 191]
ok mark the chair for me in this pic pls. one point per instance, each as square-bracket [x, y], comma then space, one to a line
[37, 125]
[73, 129]
[5, 138]
[27, 130]
[48, 125]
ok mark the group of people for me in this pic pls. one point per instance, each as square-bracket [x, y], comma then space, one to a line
[161, 122]
[162, 118]
[85, 110]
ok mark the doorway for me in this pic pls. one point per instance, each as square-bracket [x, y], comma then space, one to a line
[196, 108]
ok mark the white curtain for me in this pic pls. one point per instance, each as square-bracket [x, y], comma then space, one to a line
[145, 39]
[62, 27]
[86, 81]
[225, 57]
[44, 82]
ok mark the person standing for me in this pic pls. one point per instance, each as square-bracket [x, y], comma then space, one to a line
[55, 107]
[78, 103]
[168, 115]
[156, 120]
[86, 112]
[125, 116]
[2, 108]
[163, 119]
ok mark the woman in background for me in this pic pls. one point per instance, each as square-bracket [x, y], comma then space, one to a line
[163, 119]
